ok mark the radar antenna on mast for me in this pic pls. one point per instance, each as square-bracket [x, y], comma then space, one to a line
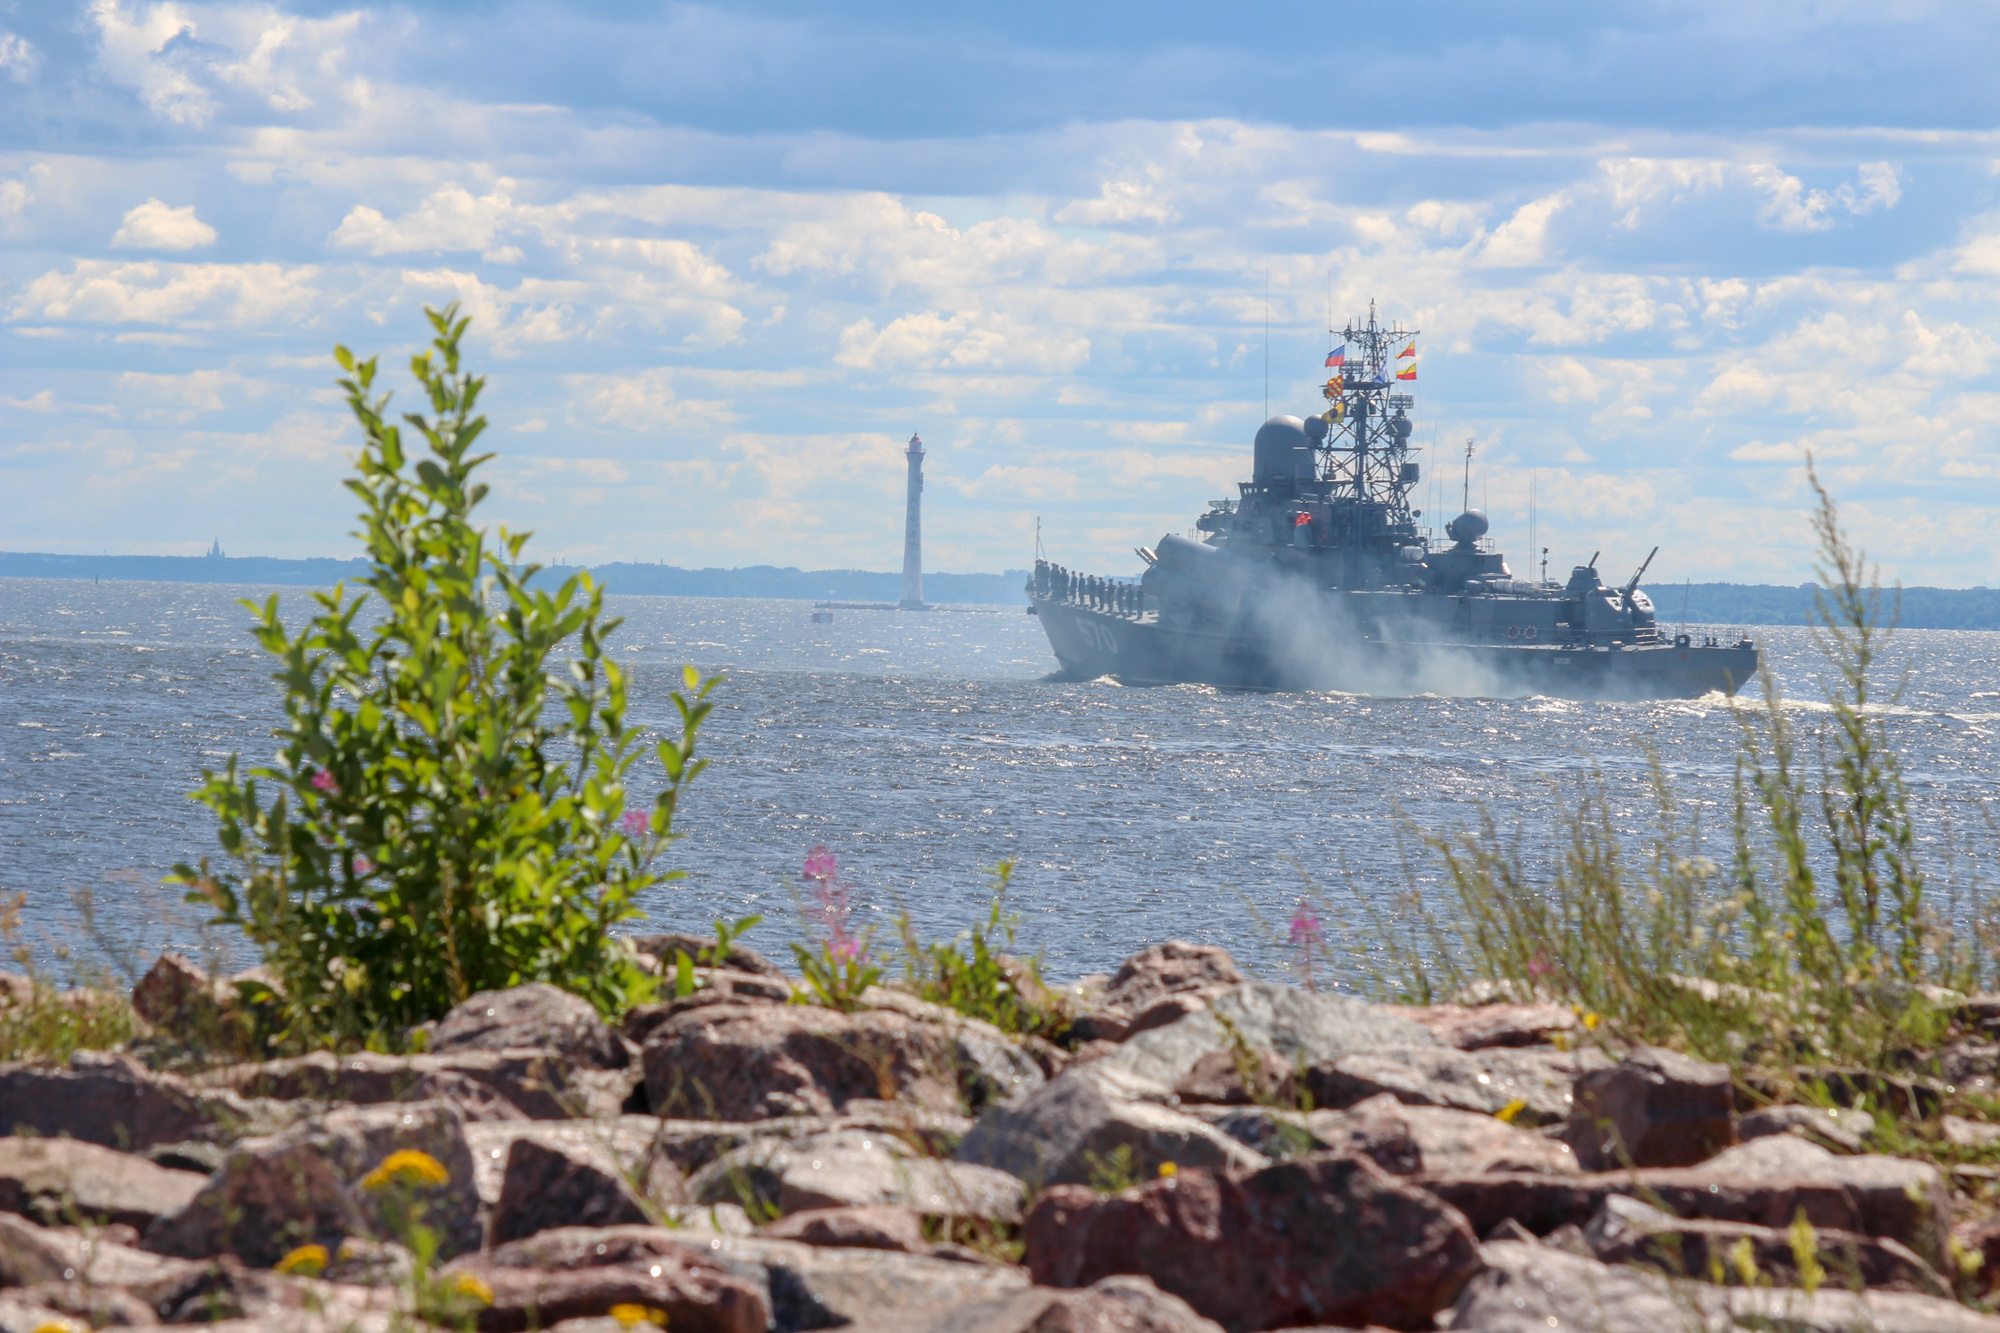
[1362, 439]
[1465, 492]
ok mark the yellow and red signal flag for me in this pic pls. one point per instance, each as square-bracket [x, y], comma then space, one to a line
[1408, 372]
[1411, 350]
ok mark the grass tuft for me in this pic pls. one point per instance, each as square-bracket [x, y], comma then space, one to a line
[1815, 937]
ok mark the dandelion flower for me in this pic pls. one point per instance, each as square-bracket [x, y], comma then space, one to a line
[408, 1167]
[1505, 1115]
[305, 1261]
[628, 1315]
[61, 1326]
[1168, 1170]
[469, 1286]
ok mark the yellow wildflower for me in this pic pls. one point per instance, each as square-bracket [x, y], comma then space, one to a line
[60, 1326]
[305, 1261]
[468, 1285]
[1743, 1256]
[628, 1315]
[1964, 1258]
[1505, 1115]
[408, 1167]
[1590, 1021]
[1168, 1170]
[1805, 1253]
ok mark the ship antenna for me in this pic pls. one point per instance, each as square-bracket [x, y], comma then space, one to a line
[1465, 491]
[1534, 477]
[1267, 344]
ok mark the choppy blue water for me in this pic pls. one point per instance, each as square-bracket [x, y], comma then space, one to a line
[922, 749]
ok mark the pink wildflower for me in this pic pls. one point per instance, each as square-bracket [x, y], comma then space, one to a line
[1539, 965]
[323, 781]
[832, 904]
[363, 866]
[1305, 924]
[635, 823]
[1305, 938]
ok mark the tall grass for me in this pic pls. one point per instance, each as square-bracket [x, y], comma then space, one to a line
[1816, 936]
[44, 1021]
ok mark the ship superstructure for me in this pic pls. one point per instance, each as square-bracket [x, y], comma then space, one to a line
[1318, 575]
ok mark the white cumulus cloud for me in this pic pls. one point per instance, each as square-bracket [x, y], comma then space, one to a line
[191, 295]
[18, 57]
[452, 218]
[642, 402]
[156, 226]
[966, 340]
[1790, 206]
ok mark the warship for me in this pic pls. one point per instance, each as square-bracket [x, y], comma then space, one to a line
[1317, 576]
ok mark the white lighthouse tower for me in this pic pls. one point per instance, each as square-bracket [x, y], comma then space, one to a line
[913, 532]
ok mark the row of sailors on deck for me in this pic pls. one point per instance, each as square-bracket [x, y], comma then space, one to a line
[1055, 582]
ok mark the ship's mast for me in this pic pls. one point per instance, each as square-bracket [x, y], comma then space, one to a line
[1366, 453]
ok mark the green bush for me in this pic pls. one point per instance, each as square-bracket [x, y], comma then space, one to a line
[1812, 936]
[446, 814]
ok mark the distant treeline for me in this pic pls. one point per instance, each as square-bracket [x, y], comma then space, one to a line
[840, 585]
[1707, 603]
[1762, 604]
[845, 585]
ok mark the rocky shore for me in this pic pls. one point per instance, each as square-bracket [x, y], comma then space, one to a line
[734, 1161]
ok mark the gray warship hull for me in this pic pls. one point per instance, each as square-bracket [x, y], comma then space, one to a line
[1141, 650]
[1317, 575]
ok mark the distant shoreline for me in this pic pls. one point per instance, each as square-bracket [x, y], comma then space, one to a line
[621, 577]
[1707, 603]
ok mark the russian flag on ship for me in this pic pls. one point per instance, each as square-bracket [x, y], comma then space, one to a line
[1337, 357]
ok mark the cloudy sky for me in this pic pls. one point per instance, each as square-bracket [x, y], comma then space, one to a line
[722, 260]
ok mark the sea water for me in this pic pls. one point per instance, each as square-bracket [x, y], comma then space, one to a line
[923, 749]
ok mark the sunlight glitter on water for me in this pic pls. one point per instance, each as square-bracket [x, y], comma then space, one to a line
[923, 749]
